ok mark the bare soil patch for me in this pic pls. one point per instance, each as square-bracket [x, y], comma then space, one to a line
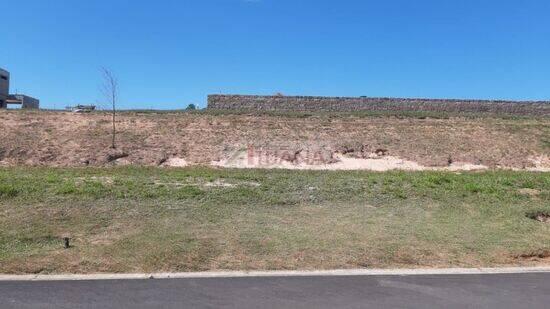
[174, 162]
[529, 192]
[540, 216]
[537, 256]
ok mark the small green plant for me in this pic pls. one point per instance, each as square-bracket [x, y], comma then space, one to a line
[8, 191]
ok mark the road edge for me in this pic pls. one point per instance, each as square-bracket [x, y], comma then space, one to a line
[284, 273]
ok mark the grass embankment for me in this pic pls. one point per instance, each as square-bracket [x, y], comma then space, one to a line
[149, 219]
[311, 114]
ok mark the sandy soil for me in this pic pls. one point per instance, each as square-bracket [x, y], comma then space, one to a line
[341, 162]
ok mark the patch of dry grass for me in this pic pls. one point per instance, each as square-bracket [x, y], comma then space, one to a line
[67, 139]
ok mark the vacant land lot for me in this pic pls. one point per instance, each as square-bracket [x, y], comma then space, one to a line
[151, 219]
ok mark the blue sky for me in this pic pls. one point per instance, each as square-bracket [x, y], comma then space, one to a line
[169, 53]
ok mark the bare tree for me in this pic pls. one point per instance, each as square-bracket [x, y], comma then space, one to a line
[110, 91]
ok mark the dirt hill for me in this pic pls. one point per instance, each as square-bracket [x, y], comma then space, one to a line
[237, 140]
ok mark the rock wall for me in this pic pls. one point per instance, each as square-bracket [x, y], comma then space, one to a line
[347, 104]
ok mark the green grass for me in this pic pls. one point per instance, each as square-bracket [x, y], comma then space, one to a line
[150, 219]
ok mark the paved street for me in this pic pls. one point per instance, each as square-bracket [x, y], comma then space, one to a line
[423, 291]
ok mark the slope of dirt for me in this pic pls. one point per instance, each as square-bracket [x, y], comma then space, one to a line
[179, 139]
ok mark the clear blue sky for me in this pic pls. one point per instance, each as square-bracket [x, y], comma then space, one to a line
[169, 53]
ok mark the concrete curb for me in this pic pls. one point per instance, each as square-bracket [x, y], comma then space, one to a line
[313, 273]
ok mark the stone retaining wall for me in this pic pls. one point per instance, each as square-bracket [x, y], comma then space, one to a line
[347, 104]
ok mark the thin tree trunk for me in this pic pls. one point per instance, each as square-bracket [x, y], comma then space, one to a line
[114, 127]
[110, 88]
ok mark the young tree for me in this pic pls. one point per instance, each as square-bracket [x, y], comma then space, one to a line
[191, 107]
[110, 91]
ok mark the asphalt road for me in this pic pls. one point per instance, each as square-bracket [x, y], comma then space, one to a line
[529, 290]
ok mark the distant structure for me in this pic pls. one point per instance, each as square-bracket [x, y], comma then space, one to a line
[351, 104]
[81, 108]
[7, 98]
[4, 87]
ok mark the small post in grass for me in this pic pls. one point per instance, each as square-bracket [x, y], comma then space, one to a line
[66, 242]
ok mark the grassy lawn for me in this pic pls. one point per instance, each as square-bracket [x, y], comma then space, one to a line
[151, 219]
